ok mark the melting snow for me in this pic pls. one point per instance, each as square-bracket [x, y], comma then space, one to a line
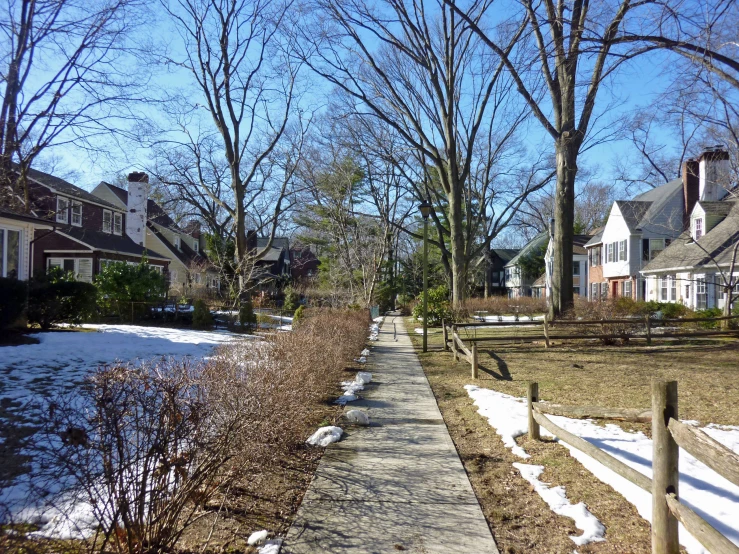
[556, 498]
[325, 436]
[711, 496]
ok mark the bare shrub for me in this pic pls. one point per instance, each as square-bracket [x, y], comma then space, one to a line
[501, 305]
[147, 451]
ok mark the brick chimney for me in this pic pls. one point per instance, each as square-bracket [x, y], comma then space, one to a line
[713, 173]
[138, 196]
[691, 187]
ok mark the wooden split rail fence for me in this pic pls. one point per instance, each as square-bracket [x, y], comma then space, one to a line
[668, 436]
[470, 354]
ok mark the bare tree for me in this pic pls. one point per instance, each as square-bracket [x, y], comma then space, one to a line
[66, 78]
[248, 91]
[419, 70]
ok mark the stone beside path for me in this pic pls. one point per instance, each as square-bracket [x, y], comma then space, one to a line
[397, 485]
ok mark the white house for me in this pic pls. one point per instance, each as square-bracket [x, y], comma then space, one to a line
[695, 269]
[638, 230]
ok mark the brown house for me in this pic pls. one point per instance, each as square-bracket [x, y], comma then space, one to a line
[85, 232]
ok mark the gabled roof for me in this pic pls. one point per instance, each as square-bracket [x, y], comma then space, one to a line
[540, 282]
[714, 247]
[154, 211]
[596, 239]
[67, 189]
[97, 240]
[16, 215]
[538, 241]
[278, 242]
[633, 212]
[505, 254]
[184, 253]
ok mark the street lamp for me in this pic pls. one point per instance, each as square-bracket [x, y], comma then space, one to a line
[425, 207]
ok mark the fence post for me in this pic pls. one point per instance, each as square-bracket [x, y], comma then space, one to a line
[649, 330]
[474, 360]
[665, 467]
[532, 395]
[546, 330]
[446, 335]
[454, 343]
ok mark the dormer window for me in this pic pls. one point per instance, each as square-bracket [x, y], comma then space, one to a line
[698, 228]
[107, 221]
[62, 209]
[177, 243]
[196, 247]
[77, 214]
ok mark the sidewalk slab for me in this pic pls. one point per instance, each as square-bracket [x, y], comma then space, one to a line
[397, 485]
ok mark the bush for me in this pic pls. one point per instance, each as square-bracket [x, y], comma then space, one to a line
[438, 305]
[152, 448]
[298, 315]
[201, 318]
[56, 297]
[119, 284]
[292, 299]
[247, 317]
[708, 314]
[13, 297]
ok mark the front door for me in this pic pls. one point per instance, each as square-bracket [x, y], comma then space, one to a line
[614, 289]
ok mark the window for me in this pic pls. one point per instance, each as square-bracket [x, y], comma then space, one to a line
[603, 291]
[117, 224]
[575, 268]
[655, 247]
[77, 214]
[622, 251]
[701, 298]
[172, 275]
[10, 253]
[177, 242]
[664, 285]
[698, 228]
[196, 247]
[81, 267]
[609, 252]
[156, 268]
[576, 291]
[107, 221]
[595, 256]
[62, 209]
[197, 278]
[594, 287]
[626, 289]
[673, 289]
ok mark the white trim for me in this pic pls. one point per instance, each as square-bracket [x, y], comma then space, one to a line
[73, 204]
[110, 221]
[62, 211]
[69, 251]
[130, 254]
[119, 233]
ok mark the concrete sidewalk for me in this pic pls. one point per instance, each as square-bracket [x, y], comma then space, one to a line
[397, 485]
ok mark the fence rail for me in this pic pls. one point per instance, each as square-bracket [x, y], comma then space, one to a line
[668, 436]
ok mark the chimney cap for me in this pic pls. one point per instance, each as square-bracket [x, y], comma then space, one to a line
[138, 177]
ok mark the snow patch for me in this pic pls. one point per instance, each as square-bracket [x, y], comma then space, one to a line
[325, 436]
[357, 416]
[711, 496]
[363, 377]
[271, 547]
[365, 352]
[257, 537]
[555, 497]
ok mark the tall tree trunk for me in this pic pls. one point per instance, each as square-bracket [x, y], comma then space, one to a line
[459, 263]
[564, 207]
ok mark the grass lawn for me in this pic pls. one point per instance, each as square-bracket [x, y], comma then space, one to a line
[575, 374]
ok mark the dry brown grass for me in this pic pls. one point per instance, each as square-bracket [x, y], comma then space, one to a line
[574, 374]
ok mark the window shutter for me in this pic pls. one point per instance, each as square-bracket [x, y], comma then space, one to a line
[84, 270]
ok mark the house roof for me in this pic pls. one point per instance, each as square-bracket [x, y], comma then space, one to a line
[68, 189]
[505, 254]
[716, 208]
[633, 212]
[97, 240]
[540, 282]
[184, 253]
[279, 244]
[579, 242]
[154, 211]
[714, 247]
[595, 239]
[10, 213]
[539, 240]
